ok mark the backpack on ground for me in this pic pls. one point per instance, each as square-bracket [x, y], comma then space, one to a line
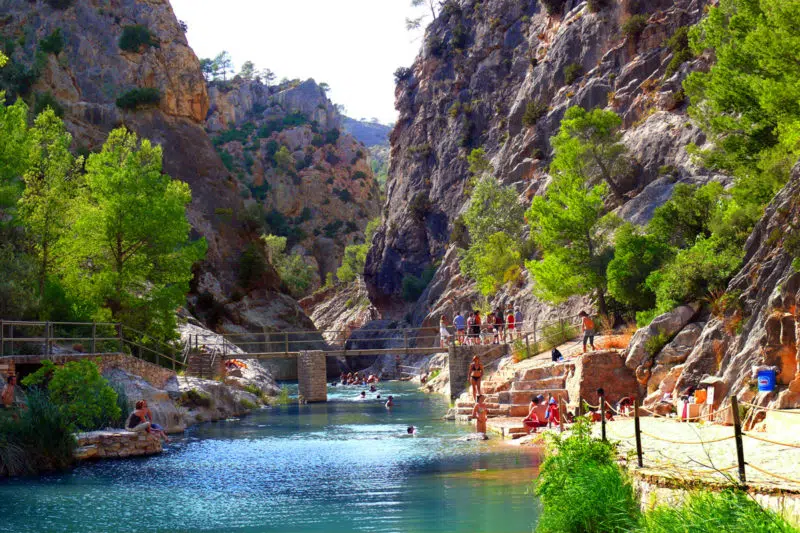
[555, 355]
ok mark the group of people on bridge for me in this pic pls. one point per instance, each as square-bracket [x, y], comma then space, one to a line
[498, 327]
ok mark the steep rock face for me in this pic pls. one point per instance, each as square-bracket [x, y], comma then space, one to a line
[323, 196]
[482, 64]
[757, 326]
[92, 71]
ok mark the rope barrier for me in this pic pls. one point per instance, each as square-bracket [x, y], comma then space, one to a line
[762, 439]
[618, 436]
[729, 437]
[785, 411]
[711, 470]
[768, 473]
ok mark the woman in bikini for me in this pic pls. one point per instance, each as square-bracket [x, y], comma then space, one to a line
[480, 413]
[475, 375]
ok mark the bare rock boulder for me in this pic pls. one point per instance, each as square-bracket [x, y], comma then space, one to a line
[667, 324]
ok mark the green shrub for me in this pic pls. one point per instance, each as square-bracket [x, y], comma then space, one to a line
[413, 286]
[402, 74]
[252, 389]
[139, 97]
[281, 399]
[534, 110]
[343, 194]
[331, 136]
[714, 512]
[634, 26]
[227, 159]
[247, 404]
[45, 100]
[460, 37]
[359, 175]
[40, 440]
[572, 72]
[193, 398]
[597, 5]
[681, 53]
[353, 261]
[656, 343]
[252, 267]
[53, 43]
[420, 206]
[581, 487]
[643, 318]
[85, 398]
[554, 7]
[135, 37]
[557, 334]
[59, 4]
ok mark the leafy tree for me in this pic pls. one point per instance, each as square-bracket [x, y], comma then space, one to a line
[686, 215]
[494, 220]
[207, 68]
[294, 272]
[222, 65]
[590, 142]
[80, 392]
[283, 159]
[636, 256]
[128, 248]
[749, 101]
[14, 153]
[248, 70]
[266, 76]
[3, 59]
[325, 87]
[478, 166]
[51, 182]
[355, 255]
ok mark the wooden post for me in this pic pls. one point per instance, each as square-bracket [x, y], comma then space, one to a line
[737, 429]
[580, 406]
[47, 338]
[286, 342]
[119, 337]
[561, 415]
[94, 337]
[535, 341]
[603, 415]
[528, 345]
[2, 337]
[405, 341]
[638, 432]
[266, 341]
[11, 335]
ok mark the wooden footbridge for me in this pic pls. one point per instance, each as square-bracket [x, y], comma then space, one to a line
[204, 354]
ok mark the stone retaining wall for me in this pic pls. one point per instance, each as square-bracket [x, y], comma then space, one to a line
[115, 444]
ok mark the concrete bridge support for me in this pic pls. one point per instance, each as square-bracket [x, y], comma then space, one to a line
[312, 377]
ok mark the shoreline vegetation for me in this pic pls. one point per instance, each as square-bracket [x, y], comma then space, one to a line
[583, 489]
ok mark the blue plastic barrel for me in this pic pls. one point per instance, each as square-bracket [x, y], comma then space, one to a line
[766, 380]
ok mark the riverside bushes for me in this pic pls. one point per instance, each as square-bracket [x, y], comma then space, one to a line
[583, 490]
[40, 440]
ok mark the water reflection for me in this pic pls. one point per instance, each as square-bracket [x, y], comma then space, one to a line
[347, 465]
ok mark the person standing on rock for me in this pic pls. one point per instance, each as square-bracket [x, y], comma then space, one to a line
[444, 334]
[480, 413]
[475, 376]
[587, 327]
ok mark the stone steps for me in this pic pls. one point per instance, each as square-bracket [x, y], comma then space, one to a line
[545, 372]
[556, 382]
[524, 397]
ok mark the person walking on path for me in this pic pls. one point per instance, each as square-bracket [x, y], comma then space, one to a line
[518, 322]
[476, 328]
[587, 327]
[444, 334]
[510, 323]
[489, 332]
[475, 376]
[480, 413]
[461, 328]
[499, 326]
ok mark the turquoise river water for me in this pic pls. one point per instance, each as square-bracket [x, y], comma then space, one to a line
[346, 465]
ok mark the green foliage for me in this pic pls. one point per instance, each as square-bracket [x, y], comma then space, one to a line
[706, 266]
[353, 261]
[139, 97]
[636, 256]
[414, 286]
[53, 43]
[581, 487]
[59, 4]
[294, 272]
[83, 395]
[687, 214]
[534, 110]
[596, 6]
[39, 441]
[128, 249]
[193, 398]
[402, 74]
[557, 334]
[283, 159]
[572, 72]
[569, 227]
[46, 100]
[554, 7]
[634, 26]
[681, 53]
[656, 343]
[494, 223]
[135, 37]
[748, 103]
[479, 163]
[713, 512]
[420, 206]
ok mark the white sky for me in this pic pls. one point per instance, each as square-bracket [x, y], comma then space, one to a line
[353, 45]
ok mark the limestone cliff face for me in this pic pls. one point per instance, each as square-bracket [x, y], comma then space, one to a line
[91, 72]
[323, 193]
[481, 66]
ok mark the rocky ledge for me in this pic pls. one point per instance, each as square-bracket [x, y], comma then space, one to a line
[115, 444]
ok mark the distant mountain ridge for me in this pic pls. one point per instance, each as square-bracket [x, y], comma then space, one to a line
[369, 133]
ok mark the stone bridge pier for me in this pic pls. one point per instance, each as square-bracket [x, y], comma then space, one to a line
[312, 379]
[459, 359]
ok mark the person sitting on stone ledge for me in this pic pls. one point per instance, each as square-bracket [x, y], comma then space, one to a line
[137, 421]
[155, 429]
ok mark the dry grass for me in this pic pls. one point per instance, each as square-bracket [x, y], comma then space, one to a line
[615, 342]
[718, 349]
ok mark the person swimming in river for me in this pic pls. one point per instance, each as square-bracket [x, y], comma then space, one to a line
[475, 375]
[372, 388]
[390, 402]
[480, 413]
[411, 430]
[363, 395]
